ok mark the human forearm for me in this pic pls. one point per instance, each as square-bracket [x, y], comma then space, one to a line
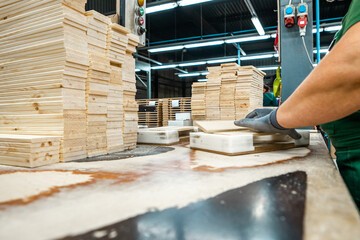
[331, 91]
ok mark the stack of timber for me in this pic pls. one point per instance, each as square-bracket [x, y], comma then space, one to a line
[232, 91]
[171, 106]
[56, 78]
[249, 90]
[150, 112]
[198, 101]
[29, 150]
[117, 42]
[97, 84]
[43, 66]
[212, 93]
[130, 105]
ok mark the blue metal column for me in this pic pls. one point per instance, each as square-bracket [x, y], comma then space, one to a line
[317, 30]
[238, 50]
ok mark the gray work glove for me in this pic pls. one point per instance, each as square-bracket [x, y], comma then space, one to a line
[264, 120]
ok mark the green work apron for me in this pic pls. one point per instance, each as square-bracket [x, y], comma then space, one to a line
[345, 133]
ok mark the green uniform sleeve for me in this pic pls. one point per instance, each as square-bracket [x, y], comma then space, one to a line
[352, 17]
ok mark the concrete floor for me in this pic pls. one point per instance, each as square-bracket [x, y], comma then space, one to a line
[180, 194]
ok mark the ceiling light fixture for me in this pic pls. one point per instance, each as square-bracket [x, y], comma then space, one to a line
[257, 57]
[268, 68]
[332, 28]
[202, 80]
[164, 67]
[165, 49]
[184, 3]
[189, 75]
[192, 64]
[248, 39]
[258, 26]
[226, 60]
[161, 7]
[204, 44]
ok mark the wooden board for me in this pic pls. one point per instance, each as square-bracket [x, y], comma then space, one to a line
[217, 126]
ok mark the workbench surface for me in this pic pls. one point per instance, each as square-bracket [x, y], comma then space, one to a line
[177, 193]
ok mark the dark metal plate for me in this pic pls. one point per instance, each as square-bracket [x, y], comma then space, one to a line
[270, 209]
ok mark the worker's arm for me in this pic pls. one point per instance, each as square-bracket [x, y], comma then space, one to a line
[331, 91]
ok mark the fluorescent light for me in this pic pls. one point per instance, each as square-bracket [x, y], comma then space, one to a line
[248, 39]
[164, 49]
[321, 51]
[320, 30]
[273, 35]
[183, 3]
[161, 7]
[204, 44]
[164, 67]
[137, 70]
[192, 64]
[332, 28]
[222, 60]
[202, 80]
[257, 57]
[276, 55]
[258, 26]
[189, 75]
[204, 73]
[267, 68]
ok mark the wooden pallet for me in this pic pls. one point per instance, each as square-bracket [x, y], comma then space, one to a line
[150, 118]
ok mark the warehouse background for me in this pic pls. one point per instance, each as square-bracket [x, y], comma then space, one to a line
[206, 21]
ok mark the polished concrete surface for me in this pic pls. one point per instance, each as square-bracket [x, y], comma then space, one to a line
[178, 193]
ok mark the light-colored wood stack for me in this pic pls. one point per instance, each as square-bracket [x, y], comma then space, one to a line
[198, 101]
[97, 85]
[249, 91]
[29, 150]
[150, 118]
[130, 105]
[227, 91]
[115, 117]
[231, 92]
[212, 93]
[43, 66]
[117, 42]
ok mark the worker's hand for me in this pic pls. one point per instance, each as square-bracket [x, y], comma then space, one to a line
[264, 120]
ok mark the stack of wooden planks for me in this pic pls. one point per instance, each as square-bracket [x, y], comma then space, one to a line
[130, 126]
[150, 112]
[97, 84]
[198, 101]
[212, 93]
[56, 77]
[232, 91]
[29, 150]
[43, 65]
[165, 112]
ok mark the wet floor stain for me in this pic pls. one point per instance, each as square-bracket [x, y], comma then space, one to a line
[272, 208]
[94, 177]
[139, 151]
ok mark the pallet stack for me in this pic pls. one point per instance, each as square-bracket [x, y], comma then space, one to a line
[44, 63]
[165, 112]
[198, 101]
[212, 93]
[151, 118]
[97, 84]
[231, 92]
[130, 105]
